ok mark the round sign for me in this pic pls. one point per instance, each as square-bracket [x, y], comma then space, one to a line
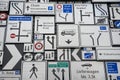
[38, 46]
[117, 24]
[38, 57]
[59, 6]
[12, 35]
[28, 57]
[3, 16]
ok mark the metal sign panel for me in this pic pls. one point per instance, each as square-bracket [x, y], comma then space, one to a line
[35, 71]
[64, 13]
[16, 8]
[19, 29]
[83, 14]
[44, 25]
[3, 18]
[39, 8]
[105, 0]
[1, 57]
[113, 70]
[108, 53]
[10, 75]
[58, 71]
[87, 70]
[115, 34]
[94, 35]
[114, 13]
[12, 57]
[88, 53]
[39, 46]
[2, 37]
[68, 35]
[4, 5]
[50, 42]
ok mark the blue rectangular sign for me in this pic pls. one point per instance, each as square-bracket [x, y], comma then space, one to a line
[112, 68]
[20, 18]
[67, 8]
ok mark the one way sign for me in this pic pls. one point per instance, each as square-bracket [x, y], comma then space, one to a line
[12, 56]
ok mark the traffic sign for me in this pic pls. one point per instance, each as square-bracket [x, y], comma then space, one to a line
[86, 70]
[67, 36]
[39, 8]
[4, 5]
[35, 71]
[113, 70]
[64, 13]
[16, 8]
[19, 29]
[83, 13]
[44, 25]
[38, 46]
[58, 70]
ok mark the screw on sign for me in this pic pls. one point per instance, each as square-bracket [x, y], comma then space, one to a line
[38, 46]
[59, 6]
[3, 16]
[12, 35]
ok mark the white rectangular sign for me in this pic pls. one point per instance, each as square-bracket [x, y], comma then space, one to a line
[1, 57]
[64, 13]
[39, 8]
[11, 78]
[108, 53]
[58, 71]
[44, 25]
[4, 5]
[87, 70]
[16, 8]
[68, 35]
[35, 71]
[19, 29]
[114, 13]
[105, 0]
[2, 37]
[94, 35]
[113, 70]
[115, 34]
[83, 14]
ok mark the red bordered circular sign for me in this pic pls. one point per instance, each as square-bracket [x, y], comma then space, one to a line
[38, 46]
[59, 6]
[3, 16]
[12, 35]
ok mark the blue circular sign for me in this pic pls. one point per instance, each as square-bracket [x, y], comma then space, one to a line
[117, 24]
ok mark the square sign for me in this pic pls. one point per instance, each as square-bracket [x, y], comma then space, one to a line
[35, 71]
[87, 70]
[64, 13]
[115, 34]
[39, 8]
[4, 5]
[19, 29]
[2, 37]
[44, 25]
[83, 14]
[113, 70]
[68, 35]
[114, 13]
[101, 9]
[94, 35]
[58, 71]
[16, 8]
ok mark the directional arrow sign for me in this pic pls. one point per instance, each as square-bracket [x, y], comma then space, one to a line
[13, 56]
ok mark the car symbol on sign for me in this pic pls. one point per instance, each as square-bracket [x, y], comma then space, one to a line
[68, 32]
